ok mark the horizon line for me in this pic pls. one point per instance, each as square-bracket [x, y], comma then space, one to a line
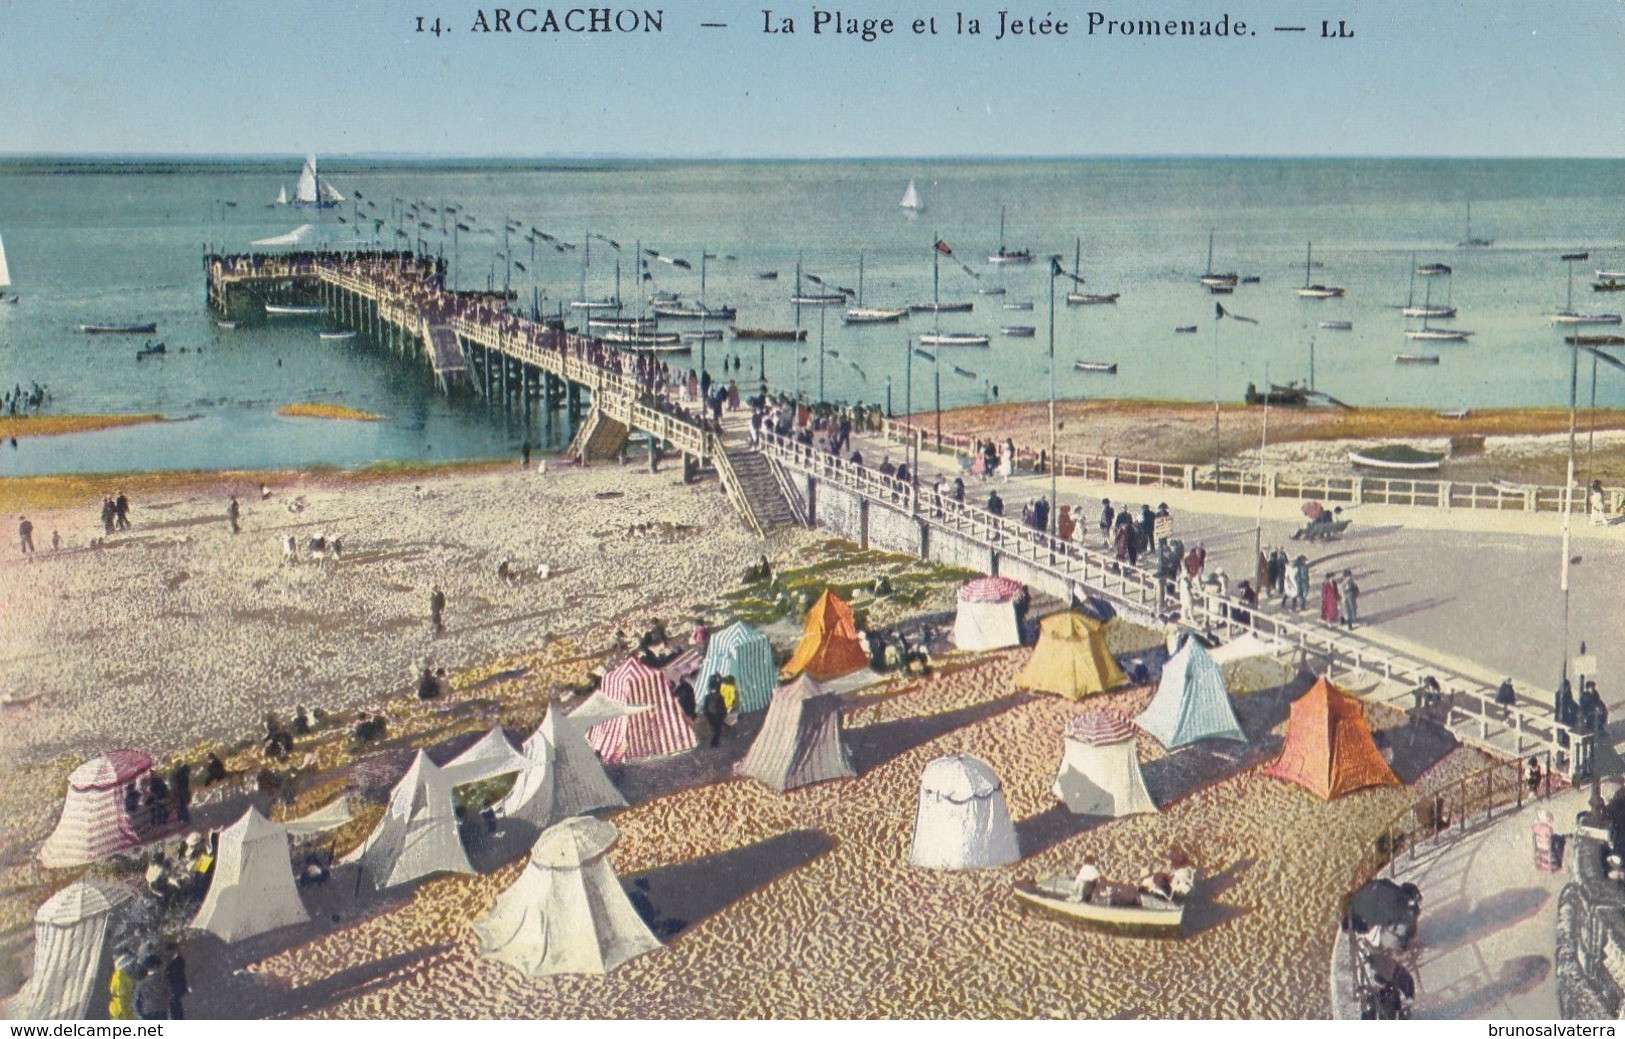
[657, 157]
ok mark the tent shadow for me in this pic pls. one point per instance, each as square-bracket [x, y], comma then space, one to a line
[877, 744]
[1204, 912]
[1198, 765]
[1057, 823]
[673, 899]
[1417, 746]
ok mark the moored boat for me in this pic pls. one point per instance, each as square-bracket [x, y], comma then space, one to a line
[769, 334]
[228, 325]
[150, 350]
[1337, 326]
[1018, 331]
[1433, 270]
[910, 202]
[1091, 299]
[1103, 367]
[625, 324]
[941, 308]
[768, 275]
[1603, 340]
[1610, 285]
[694, 312]
[1416, 358]
[1571, 317]
[335, 333]
[146, 329]
[875, 315]
[1315, 291]
[1186, 329]
[625, 338]
[1438, 335]
[996, 290]
[1017, 304]
[954, 339]
[293, 309]
[1397, 457]
[1212, 279]
[701, 334]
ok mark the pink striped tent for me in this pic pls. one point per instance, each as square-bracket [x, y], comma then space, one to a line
[989, 589]
[662, 729]
[94, 824]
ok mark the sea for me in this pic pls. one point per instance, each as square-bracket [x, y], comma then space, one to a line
[102, 240]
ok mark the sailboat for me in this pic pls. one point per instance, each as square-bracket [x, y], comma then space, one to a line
[281, 195]
[1219, 282]
[1469, 242]
[1568, 315]
[937, 337]
[1427, 310]
[862, 315]
[583, 303]
[1316, 291]
[804, 298]
[312, 192]
[5, 273]
[911, 203]
[1085, 299]
[1434, 335]
[698, 311]
[1008, 255]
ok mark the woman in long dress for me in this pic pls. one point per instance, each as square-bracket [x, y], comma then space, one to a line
[1328, 600]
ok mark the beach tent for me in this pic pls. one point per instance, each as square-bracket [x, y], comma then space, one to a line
[253, 888]
[1328, 749]
[417, 835]
[564, 776]
[661, 729]
[1191, 702]
[962, 821]
[1100, 768]
[746, 654]
[829, 645]
[70, 945]
[800, 742]
[986, 617]
[567, 913]
[94, 823]
[1071, 658]
[489, 756]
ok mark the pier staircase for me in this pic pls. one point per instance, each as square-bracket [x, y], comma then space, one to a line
[756, 489]
[446, 354]
[599, 438]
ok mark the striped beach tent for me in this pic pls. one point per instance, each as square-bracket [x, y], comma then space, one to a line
[986, 618]
[662, 729]
[746, 654]
[1192, 702]
[94, 822]
[1100, 768]
[70, 946]
[800, 742]
[829, 645]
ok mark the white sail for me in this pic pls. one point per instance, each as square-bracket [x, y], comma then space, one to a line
[282, 195]
[298, 236]
[911, 198]
[5, 272]
[329, 193]
[304, 193]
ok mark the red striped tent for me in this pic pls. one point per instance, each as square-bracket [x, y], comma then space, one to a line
[1100, 768]
[94, 823]
[661, 729]
[986, 618]
[989, 589]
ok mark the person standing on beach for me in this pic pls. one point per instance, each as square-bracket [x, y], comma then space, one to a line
[524, 455]
[437, 609]
[233, 511]
[25, 535]
[1328, 600]
[1300, 567]
[121, 511]
[1350, 595]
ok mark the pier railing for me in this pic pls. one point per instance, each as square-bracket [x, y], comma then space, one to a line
[1469, 709]
[1330, 488]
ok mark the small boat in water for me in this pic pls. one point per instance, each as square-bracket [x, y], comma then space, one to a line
[335, 333]
[624, 324]
[1018, 331]
[1570, 317]
[1251, 279]
[1103, 367]
[954, 339]
[911, 203]
[5, 275]
[1604, 340]
[818, 299]
[1315, 291]
[875, 315]
[941, 308]
[1416, 358]
[1091, 299]
[1008, 255]
[1433, 270]
[695, 312]
[149, 350]
[1397, 457]
[1213, 280]
[997, 290]
[97, 330]
[769, 334]
[228, 325]
[624, 338]
[1470, 241]
[1054, 894]
[1017, 304]
[1609, 285]
[698, 335]
[768, 275]
[1186, 329]
[1337, 326]
[594, 304]
[294, 309]
[1438, 335]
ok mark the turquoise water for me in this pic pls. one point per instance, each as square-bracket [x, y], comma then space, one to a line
[103, 242]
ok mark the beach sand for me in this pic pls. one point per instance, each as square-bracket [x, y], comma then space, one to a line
[177, 634]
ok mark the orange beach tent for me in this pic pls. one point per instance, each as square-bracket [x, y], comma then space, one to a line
[829, 642]
[1328, 749]
[1071, 658]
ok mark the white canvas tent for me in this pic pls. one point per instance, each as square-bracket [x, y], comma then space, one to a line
[417, 835]
[986, 617]
[70, 943]
[800, 742]
[566, 914]
[1191, 702]
[253, 889]
[962, 821]
[563, 776]
[490, 756]
[1100, 768]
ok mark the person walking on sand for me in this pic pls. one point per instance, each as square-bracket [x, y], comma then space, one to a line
[233, 511]
[524, 455]
[56, 541]
[121, 510]
[1328, 600]
[437, 609]
[25, 535]
[716, 712]
[1300, 568]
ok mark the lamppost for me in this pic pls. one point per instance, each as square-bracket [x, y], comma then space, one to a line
[1054, 272]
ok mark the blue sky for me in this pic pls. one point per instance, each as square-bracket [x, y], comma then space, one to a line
[1420, 77]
